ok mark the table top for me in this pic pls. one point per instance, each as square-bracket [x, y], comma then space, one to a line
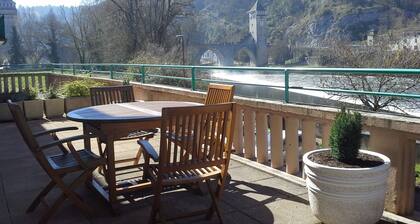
[125, 112]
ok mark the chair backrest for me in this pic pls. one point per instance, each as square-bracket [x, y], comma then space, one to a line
[218, 93]
[23, 126]
[111, 94]
[204, 137]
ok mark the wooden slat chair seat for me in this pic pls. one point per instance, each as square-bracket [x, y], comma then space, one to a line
[65, 162]
[185, 176]
[201, 154]
[69, 160]
[119, 94]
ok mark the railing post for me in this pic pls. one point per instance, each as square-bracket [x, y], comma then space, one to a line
[143, 74]
[286, 86]
[111, 72]
[193, 78]
[91, 71]
[74, 71]
[62, 71]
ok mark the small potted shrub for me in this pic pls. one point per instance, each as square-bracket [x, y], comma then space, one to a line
[345, 184]
[77, 93]
[33, 105]
[5, 114]
[53, 103]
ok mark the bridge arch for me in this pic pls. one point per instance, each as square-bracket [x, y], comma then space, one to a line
[244, 51]
[208, 54]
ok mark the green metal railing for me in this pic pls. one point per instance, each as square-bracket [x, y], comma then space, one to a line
[140, 71]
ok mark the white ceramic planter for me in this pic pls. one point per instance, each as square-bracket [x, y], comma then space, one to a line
[346, 195]
[54, 107]
[34, 109]
[73, 103]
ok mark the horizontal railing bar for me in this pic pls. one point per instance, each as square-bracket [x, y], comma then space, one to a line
[359, 92]
[168, 77]
[238, 83]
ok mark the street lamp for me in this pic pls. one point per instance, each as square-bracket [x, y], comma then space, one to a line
[181, 37]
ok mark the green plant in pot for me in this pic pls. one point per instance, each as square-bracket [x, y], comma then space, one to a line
[77, 93]
[345, 184]
[33, 105]
[53, 102]
[346, 136]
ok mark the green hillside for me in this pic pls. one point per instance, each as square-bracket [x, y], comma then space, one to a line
[307, 22]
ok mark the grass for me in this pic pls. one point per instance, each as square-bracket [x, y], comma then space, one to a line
[418, 174]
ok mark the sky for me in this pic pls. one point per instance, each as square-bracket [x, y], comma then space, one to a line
[46, 2]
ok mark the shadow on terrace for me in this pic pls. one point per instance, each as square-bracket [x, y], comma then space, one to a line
[253, 196]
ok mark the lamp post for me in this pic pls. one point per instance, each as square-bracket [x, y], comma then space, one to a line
[181, 37]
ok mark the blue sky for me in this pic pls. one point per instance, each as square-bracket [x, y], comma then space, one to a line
[47, 2]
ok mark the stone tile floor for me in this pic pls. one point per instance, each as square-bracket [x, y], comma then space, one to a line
[253, 196]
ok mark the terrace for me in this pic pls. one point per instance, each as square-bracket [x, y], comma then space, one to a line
[264, 189]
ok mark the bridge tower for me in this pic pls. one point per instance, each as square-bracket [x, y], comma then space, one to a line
[257, 28]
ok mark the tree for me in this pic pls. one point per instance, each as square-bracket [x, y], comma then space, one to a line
[52, 29]
[31, 35]
[148, 19]
[383, 54]
[16, 55]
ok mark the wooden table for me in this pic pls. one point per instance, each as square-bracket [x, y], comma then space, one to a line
[112, 122]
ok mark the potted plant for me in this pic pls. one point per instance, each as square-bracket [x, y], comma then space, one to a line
[53, 103]
[77, 93]
[345, 184]
[5, 114]
[33, 105]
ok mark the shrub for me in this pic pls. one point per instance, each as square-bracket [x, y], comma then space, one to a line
[31, 93]
[52, 93]
[346, 134]
[79, 88]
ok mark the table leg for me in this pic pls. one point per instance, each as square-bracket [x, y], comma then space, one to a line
[111, 175]
[86, 141]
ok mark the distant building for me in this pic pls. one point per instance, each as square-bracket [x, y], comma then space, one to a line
[406, 40]
[410, 40]
[8, 9]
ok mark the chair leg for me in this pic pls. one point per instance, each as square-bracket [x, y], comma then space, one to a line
[156, 206]
[138, 156]
[67, 192]
[53, 209]
[215, 200]
[101, 153]
[40, 196]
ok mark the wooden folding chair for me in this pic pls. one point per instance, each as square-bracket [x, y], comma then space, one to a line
[57, 166]
[219, 93]
[201, 154]
[119, 94]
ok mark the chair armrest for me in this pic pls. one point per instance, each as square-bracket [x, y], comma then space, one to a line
[148, 148]
[52, 131]
[65, 140]
[76, 155]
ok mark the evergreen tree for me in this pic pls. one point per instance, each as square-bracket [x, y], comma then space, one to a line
[15, 52]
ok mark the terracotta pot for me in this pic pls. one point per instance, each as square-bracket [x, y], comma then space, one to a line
[34, 109]
[5, 114]
[54, 107]
[73, 103]
[346, 195]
